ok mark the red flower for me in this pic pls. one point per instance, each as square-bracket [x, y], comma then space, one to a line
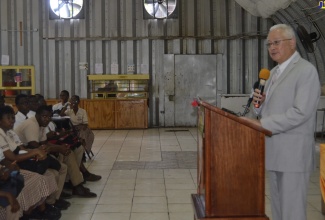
[195, 103]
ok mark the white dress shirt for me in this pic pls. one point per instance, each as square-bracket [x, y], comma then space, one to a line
[20, 117]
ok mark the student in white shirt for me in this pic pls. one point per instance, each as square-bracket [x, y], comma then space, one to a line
[22, 105]
[64, 97]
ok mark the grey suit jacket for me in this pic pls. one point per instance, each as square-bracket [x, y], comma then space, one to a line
[289, 111]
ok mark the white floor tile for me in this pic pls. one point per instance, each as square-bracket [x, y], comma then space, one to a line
[115, 216]
[151, 194]
[149, 216]
[149, 207]
[150, 200]
[116, 208]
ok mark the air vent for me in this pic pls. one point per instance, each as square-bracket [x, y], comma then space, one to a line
[160, 9]
[66, 9]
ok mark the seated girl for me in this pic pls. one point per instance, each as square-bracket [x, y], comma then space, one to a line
[36, 187]
[8, 199]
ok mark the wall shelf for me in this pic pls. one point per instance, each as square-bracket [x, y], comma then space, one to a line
[17, 80]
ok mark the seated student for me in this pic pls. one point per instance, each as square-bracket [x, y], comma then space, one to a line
[31, 198]
[3, 101]
[32, 132]
[12, 211]
[36, 187]
[33, 105]
[35, 101]
[79, 119]
[69, 137]
[64, 97]
[54, 133]
[22, 105]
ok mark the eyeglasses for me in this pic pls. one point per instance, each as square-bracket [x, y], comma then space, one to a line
[275, 43]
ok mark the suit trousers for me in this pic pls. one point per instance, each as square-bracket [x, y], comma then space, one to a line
[288, 195]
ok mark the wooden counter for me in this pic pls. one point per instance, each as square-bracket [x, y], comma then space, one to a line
[115, 113]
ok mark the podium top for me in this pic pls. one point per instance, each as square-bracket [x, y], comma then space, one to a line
[235, 118]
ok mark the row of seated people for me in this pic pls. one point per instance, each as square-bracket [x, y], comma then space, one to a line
[30, 148]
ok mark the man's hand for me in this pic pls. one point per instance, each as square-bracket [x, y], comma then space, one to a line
[51, 134]
[4, 173]
[13, 203]
[40, 154]
[45, 148]
[258, 97]
[13, 166]
[64, 149]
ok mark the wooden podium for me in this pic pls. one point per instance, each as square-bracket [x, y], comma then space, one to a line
[231, 167]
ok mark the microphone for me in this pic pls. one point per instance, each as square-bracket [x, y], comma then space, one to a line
[263, 76]
[250, 98]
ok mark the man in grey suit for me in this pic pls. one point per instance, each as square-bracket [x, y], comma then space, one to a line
[288, 110]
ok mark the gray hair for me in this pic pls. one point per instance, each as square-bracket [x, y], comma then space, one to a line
[286, 29]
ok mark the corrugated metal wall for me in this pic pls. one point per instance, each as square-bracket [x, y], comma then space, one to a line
[307, 14]
[114, 32]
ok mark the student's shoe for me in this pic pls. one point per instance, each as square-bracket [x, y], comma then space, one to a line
[62, 204]
[91, 177]
[68, 185]
[83, 192]
[65, 195]
[50, 212]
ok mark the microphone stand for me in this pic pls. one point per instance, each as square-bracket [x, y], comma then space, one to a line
[250, 99]
[247, 106]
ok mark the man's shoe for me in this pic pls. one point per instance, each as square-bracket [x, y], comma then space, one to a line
[82, 192]
[65, 195]
[62, 204]
[68, 185]
[50, 212]
[91, 177]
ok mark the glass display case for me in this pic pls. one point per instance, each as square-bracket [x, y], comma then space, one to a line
[130, 86]
[17, 80]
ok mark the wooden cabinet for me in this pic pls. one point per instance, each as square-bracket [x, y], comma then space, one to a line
[131, 113]
[101, 113]
[118, 101]
[17, 80]
[116, 114]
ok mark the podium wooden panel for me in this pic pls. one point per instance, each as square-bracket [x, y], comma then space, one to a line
[231, 167]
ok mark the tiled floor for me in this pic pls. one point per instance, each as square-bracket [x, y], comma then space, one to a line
[149, 175]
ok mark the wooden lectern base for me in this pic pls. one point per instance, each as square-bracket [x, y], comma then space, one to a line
[199, 212]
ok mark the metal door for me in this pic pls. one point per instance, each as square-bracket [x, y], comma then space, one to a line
[191, 76]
